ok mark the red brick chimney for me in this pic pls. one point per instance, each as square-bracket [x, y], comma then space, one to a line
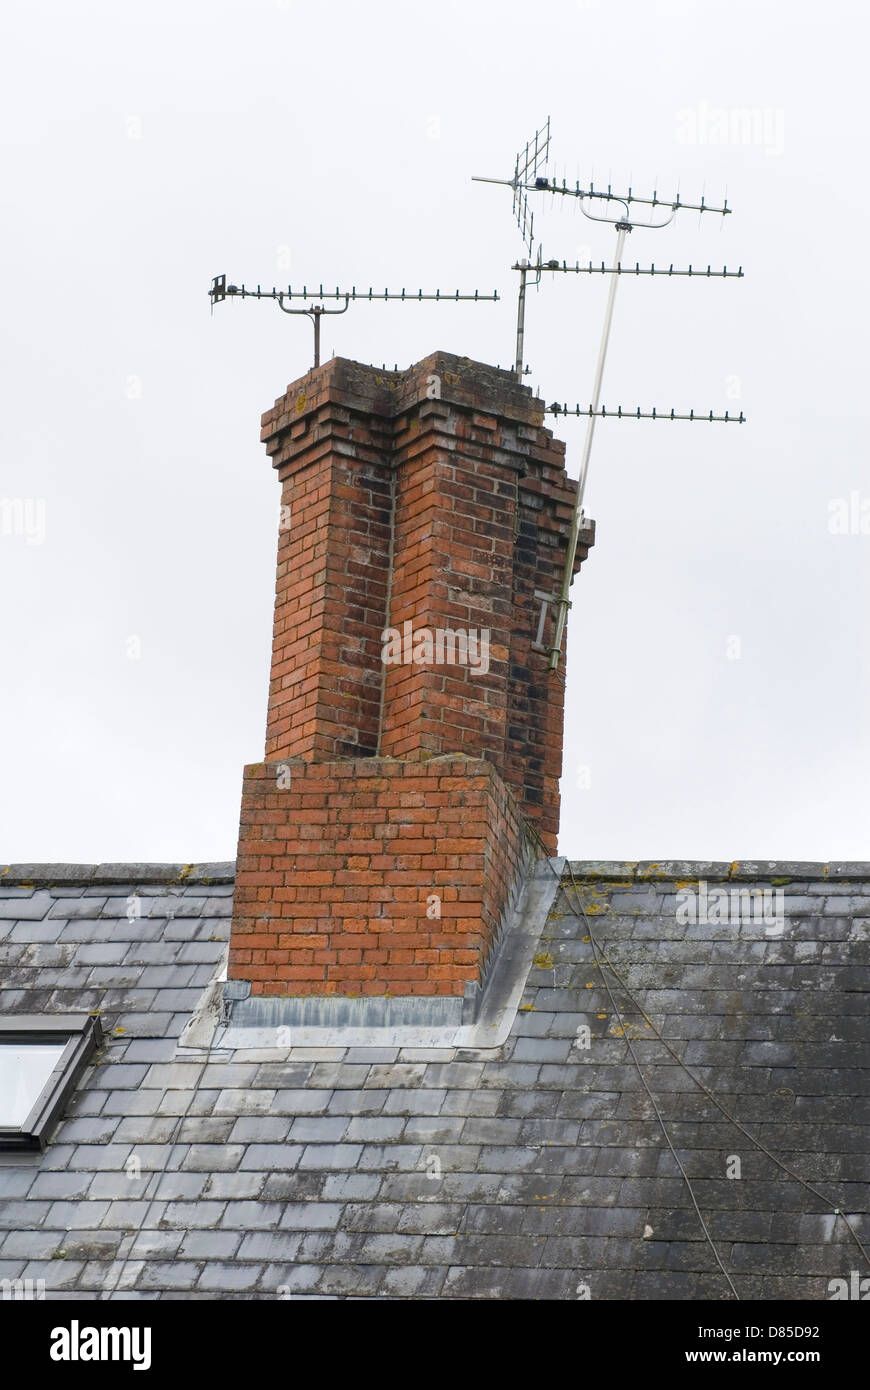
[414, 728]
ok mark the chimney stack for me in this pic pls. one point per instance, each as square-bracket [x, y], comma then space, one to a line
[414, 733]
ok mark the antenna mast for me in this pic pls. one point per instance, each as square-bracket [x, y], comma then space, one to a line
[526, 166]
[616, 209]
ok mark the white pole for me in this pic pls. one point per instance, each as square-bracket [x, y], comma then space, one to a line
[521, 323]
[555, 650]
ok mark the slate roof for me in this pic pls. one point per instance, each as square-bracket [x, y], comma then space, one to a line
[537, 1170]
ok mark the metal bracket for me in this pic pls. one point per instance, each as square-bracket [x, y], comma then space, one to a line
[539, 645]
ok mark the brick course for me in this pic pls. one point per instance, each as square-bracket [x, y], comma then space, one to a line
[372, 876]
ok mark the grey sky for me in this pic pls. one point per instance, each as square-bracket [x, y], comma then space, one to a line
[148, 146]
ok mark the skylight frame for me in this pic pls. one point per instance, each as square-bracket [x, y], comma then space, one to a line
[83, 1034]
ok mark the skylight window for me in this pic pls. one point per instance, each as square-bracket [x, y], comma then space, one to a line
[41, 1059]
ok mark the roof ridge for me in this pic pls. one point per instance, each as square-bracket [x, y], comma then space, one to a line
[17, 875]
[743, 870]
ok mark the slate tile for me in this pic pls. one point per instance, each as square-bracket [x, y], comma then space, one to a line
[388, 1158]
[293, 1186]
[158, 977]
[248, 1102]
[126, 1215]
[265, 1128]
[197, 1213]
[209, 1245]
[200, 952]
[355, 1102]
[359, 1280]
[64, 1216]
[386, 1248]
[351, 1187]
[475, 1283]
[150, 1244]
[311, 1216]
[150, 1050]
[139, 1102]
[31, 1245]
[414, 1102]
[157, 1157]
[89, 1129]
[117, 1184]
[28, 1214]
[490, 1131]
[95, 1157]
[411, 1282]
[185, 1000]
[560, 1284]
[171, 1075]
[215, 1158]
[440, 1129]
[371, 1216]
[76, 908]
[319, 1129]
[144, 1024]
[228, 1076]
[505, 1075]
[160, 1274]
[57, 1156]
[393, 1076]
[375, 1128]
[242, 1215]
[787, 1287]
[91, 1245]
[441, 1250]
[452, 1075]
[26, 909]
[115, 1076]
[273, 1157]
[431, 1219]
[371, 1055]
[538, 1131]
[69, 1186]
[341, 1156]
[288, 1280]
[237, 1185]
[283, 1076]
[471, 1103]
[230, 1278]
[57, 1274]
[331, 1076]
[296, 1101]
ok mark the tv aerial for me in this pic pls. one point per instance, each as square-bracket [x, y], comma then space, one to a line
[314, 300]
[618, 209]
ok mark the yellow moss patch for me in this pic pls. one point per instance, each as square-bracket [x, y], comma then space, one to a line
[629, 1030]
